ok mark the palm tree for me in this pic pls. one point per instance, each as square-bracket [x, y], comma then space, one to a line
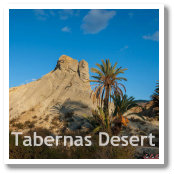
[107, 82]
[155, 96]
[122, 104]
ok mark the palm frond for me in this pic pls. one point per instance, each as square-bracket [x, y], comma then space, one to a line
[122, 104]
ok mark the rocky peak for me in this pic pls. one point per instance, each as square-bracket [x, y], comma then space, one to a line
[68, 64]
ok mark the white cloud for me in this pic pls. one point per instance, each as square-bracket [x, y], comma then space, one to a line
[96, 21]
[41, 14]
[28, 81]
[66, 29]
[66, 13]
[154, 36]
[124, 48]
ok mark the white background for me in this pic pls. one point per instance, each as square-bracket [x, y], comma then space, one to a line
[169, 168]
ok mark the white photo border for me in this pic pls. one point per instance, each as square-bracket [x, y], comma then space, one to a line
[6, 84]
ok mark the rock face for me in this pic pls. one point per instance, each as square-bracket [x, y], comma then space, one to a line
[65, 90]
[83, 71]
[66, 63]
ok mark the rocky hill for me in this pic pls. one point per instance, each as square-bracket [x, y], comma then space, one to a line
[63, 92]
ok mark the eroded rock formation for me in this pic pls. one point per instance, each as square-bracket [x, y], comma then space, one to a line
[62, 93]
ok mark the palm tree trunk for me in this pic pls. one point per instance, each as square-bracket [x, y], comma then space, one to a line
[106, 109]
[106, 102]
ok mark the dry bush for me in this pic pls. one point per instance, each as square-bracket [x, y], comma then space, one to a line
[18, 125]
[34, 117]
[29, 124]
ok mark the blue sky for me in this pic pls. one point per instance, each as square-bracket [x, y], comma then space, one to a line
[130, 37]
